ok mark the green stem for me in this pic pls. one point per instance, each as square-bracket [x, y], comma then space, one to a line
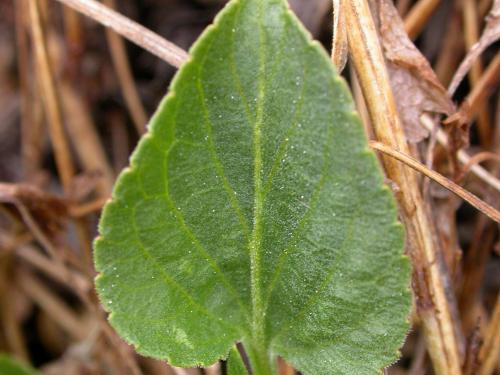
[260, 359]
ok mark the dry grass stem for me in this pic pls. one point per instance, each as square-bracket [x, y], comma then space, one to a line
[479, 158]
[482, 206]
[436, 305]
[463, 156]
[64, 316]
[85, 209]
[471, 36]
[131, 30]
[30, 128]
[85, 139]
[57, 272]
[418, 15]
[11, 326]
[49, 98]
[490, 351]
[477, 98]
[339, 45]
[491, 33]
[124, 73]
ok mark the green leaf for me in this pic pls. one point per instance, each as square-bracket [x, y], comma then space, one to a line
[10, 366]
[235, 365]
[253, 211]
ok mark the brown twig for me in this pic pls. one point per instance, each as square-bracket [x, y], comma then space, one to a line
[120, 348]
[11, 324]
[63, 315]
[339, 45]
[484, 7]
[474, 269]
[85, 139]
[490, 352]
[418, 361]
[471, 36]
[436, 305]
[462, 156]
[478, 158]
[31, 127]
[124, 73]
[489, 36]
[50, 100]
[482, 206]
[85, 209]
[131, 30]
[74, 33]
[71, 279]
[418, 16]
[36, 231]
[452, 49]
[477, 98]
[32, 225]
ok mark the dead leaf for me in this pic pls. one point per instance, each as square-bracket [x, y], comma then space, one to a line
[491, 34]
[49, 211]
[415, 85]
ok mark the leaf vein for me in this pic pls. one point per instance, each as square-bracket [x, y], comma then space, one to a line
[167, 278]
[189, 233]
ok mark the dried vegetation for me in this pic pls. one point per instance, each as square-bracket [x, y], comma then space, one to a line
[74, 99]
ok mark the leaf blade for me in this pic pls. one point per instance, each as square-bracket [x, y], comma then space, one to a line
[240, 199]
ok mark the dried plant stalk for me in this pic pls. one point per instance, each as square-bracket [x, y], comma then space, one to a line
[482, 206]
[463, 157]
[418, 15]
[49, 97]
[471, 36]
[339, 45]
[86, 142]
[435, 304]
[131, 30]
[490, 351]
[66, 318]
[124, 73]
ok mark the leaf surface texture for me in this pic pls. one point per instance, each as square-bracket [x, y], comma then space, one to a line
[253, 211]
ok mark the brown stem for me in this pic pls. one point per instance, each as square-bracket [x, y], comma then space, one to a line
[490, 352]
[418, 16]
[56, 271]
[463, 156]
[63, 315]
[49, 98]
[125, 77]
[31, 128]
[436, 305]
[131, 30]
[471, 36]
[482, 90]
[452, 49]
[85, 139]
[482, 206]
[85, 209]
[339, 45]
[479, 158]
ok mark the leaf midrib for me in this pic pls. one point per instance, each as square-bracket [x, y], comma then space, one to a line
[258, 308]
